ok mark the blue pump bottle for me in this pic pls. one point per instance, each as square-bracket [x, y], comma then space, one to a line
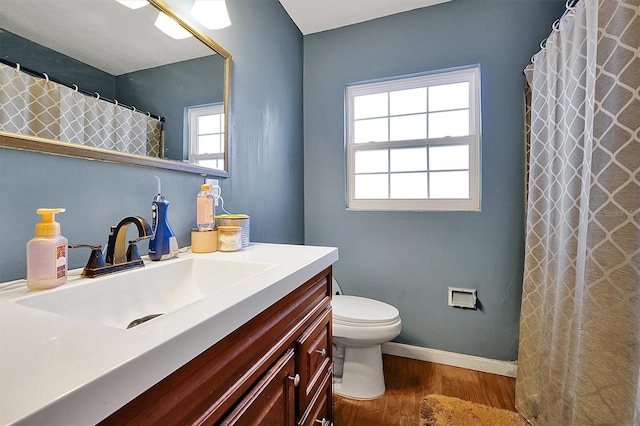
[164, 244]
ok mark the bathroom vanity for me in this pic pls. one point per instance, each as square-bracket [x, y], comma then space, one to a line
[256, 349]
[275, 369]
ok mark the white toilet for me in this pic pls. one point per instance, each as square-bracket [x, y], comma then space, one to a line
[360, 326]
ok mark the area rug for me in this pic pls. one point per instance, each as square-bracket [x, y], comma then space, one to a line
[439, 410]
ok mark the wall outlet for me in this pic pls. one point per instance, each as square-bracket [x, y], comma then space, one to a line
[214, 183]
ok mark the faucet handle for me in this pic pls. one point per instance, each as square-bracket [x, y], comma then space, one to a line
[96, 260]
[137, 240]
[132, 250]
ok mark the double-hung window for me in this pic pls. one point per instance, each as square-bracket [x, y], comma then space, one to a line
[206, 126]
[414, 143]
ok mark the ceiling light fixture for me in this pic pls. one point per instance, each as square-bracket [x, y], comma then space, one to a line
[171, 27]
[212, 14]
[133, 4]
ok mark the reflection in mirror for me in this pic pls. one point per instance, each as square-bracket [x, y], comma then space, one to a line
[138, 97]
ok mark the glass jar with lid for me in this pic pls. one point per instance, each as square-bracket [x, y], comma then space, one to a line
[229, 238]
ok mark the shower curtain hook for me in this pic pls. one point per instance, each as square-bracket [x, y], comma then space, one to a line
[543, 44]
[75, 87]
[46, 77]
[571, 10]
[115, 101]
[556, 25]
[148, 114]
[97, 95]
[17, 67]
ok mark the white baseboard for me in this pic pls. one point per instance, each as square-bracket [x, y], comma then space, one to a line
[487, 365]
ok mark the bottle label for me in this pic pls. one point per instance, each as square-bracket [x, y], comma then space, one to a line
[61, 261]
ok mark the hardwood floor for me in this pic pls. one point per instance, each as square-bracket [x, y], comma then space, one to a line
[408, 381]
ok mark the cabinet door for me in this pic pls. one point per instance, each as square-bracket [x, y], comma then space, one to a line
[320, 411]
[272, 400]
[314, 357]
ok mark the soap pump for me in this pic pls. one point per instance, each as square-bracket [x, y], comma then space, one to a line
[47, 253]
[163, 245]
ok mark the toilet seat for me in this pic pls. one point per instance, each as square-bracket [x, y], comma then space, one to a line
[363, 312]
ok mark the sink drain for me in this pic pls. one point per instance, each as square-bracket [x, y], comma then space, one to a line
[139, 321]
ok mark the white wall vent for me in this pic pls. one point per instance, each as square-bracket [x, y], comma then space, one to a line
[463, 297]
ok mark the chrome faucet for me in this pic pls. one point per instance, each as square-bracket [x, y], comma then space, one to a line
[119, 257]
[116, 249]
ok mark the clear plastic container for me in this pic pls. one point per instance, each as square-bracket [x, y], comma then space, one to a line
[205, 208]
[236, 219]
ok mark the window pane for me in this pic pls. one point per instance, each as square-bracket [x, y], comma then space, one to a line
[374, 130]
[452, 123]
[449, 157]
[368, 106]
[209, 124]
[409, 159]
[449, 96]
[409, 186]
[409, 127]
[449, 184]
[408, 101]
[370, 161]
[372, 187]
[209, 144]
[211, 163]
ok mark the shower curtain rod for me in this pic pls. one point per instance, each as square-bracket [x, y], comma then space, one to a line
[34, 73]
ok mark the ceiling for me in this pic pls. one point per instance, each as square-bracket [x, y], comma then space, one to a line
[313, 16]
[105, 29]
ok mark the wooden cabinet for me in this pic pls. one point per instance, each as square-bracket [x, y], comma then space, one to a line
[313, 349]
[271, 401]
[320, 412]
[274, 370]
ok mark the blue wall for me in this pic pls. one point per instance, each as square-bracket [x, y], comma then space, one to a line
[266, 162]
[410, 258]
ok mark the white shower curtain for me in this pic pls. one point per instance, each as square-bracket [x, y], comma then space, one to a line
[39, 107]
[579, 354]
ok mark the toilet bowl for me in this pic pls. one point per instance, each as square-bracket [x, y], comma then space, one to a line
[360, 326]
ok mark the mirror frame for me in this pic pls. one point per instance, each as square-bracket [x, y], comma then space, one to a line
[34, 143]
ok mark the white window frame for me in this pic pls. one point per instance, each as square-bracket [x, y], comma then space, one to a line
[193, 113]
[468, 74]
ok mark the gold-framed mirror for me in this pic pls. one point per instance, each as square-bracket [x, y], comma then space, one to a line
[199, 68]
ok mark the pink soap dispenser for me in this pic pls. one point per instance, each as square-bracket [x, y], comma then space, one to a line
[47, 253]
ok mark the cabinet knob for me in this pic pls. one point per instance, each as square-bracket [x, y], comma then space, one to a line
[323, 422]
[295, 379]
[322, 352]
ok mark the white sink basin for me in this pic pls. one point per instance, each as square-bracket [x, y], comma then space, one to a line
[159, 288]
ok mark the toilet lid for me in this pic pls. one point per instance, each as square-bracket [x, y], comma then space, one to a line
[356, 309]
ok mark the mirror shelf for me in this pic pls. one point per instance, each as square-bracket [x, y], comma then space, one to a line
[38, 144]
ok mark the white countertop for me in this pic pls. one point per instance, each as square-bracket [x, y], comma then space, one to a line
[57, 370]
